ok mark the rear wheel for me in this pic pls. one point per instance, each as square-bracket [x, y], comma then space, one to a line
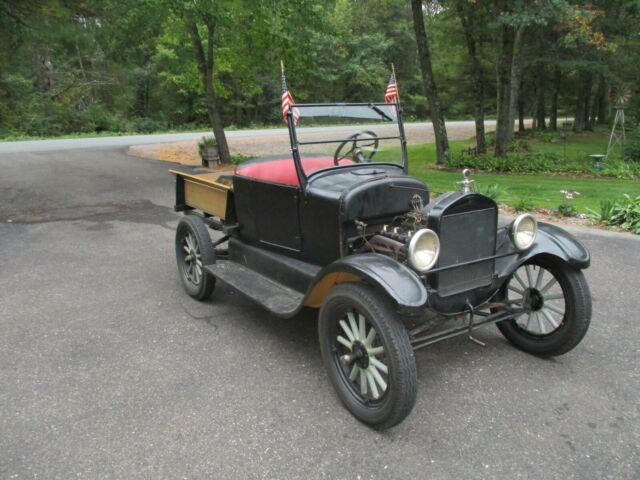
[557, 301]
[193, 251]
[367, 354]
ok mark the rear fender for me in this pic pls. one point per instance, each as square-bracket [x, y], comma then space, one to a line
[384, 273]
[550, 241]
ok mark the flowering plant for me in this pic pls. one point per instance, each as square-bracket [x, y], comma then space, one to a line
[566, 209]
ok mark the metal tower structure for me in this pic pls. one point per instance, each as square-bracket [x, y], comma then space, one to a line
[617, 131]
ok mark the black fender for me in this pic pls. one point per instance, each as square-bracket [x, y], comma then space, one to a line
[550, 240]
[401, 284]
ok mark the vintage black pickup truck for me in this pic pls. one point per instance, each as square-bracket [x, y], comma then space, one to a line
[338, 224]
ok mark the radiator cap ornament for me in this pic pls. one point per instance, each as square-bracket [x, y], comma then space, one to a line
[466, 184]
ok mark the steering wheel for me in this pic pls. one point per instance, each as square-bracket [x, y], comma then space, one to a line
[365, 140]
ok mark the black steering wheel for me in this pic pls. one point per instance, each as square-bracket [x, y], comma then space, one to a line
[365, 140]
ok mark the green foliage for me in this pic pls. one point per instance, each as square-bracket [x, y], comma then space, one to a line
[523, 204]
[206, 143]
[544, 137]
[493, 191]
[619, 168]
[626, 214]
[605, 212]
[631, 149]
[513, 162]
[238, 159]
[519, 145]
[567, 210]
[129, 65]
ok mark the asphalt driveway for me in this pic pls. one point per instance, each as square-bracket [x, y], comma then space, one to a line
[109, 370]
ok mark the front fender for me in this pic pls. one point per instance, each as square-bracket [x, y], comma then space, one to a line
[384, 273]
[550, 240]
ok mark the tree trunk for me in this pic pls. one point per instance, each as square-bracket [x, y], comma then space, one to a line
[205, 65]
[587, 101]
[521, 126]
[504, 78]
[509, 74]
[476, 75]
[553, 114]
[600, 104]
[578, 121]
[431, 91]
[516, 76]
[541, 114]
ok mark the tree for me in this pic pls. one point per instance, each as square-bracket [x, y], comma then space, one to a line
[201, 14]
[430, 88]
[472, 18]
[509, 67]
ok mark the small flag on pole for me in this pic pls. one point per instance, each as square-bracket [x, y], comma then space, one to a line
[287, 100]
[391, 95]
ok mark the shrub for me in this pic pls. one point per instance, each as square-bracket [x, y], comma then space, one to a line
[631, 147]
[616, 167]
[545, 137]
[206, 143]
[606, 210]
[492, 191]
[567, 210]
[626, 214]
[523, 204]
[519, 145]
[631, 150]
[147, 125]
[514, 162]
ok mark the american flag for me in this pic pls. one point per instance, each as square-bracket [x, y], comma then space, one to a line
[287, 101]
[391, 95]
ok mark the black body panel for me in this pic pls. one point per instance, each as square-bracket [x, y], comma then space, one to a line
[550, 240]
[288, 235]
[268, 213]
[282, 268]
[274, 275]
[466, 224]
[335, 198]
[402, 285]
[273, 216]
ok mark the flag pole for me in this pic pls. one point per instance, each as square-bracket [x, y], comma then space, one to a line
[393, 69]
[281, 66]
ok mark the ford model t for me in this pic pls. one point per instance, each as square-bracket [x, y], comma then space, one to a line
[338, 224]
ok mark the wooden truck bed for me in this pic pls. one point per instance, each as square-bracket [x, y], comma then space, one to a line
[208, 192]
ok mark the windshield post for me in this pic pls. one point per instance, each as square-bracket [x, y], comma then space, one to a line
[403, 139]
[295, 150]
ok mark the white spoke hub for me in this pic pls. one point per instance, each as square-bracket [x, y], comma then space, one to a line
[535, 289]
[362, 356]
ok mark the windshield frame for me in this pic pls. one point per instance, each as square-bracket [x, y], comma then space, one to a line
[295, 143]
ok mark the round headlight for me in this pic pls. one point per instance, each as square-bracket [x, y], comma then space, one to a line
[424, 249]
[523, 231]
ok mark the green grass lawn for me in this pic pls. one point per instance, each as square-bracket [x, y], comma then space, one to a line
[541, 191]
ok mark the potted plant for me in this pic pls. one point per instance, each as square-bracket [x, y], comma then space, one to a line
[208, 150]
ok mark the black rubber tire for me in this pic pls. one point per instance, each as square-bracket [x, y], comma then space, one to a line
[195, 225]
[399, 398]
[576, 320]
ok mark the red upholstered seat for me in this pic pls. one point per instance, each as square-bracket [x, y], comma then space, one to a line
[283, 170]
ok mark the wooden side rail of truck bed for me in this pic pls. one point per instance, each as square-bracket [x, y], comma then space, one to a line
[208, 192]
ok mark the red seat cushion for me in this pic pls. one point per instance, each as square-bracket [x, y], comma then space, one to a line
[283, 170]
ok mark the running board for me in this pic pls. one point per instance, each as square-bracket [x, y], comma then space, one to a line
[275, 297]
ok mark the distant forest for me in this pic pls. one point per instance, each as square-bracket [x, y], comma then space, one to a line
[136, 65]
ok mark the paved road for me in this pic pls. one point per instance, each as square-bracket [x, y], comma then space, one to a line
[129, 140]
[109, 370]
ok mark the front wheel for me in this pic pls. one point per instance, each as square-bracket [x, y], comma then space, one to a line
[557, 305]
[367, 354]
